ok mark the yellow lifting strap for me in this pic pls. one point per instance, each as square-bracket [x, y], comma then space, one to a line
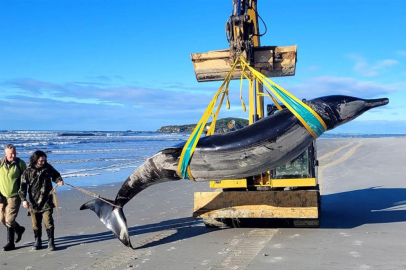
[306, 115]
[309, 118]
[188, 149]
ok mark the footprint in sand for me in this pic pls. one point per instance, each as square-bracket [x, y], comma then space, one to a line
[234, 242]
[13, 256]
[224, 251]
[355, 254]
[275, 259]
[70, 267]
[92, 253]
[172, 248]
[145, 260]
[277, 246]
[344, 234]
[357, 243]
[294, 236]
[205, 262]
[148, 253]
[364, 267]
[46, 254]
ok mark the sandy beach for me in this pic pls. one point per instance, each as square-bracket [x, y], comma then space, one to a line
[362, 227]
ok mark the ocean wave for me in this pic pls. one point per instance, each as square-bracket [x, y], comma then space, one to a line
[87, 160]
[113, 170]
[75, 134]
[105, 153]
[30, 132]
[47, 142]
[84, 151]
[72, 175]
[356, 135]
[102, 150]
[31, 144]
[120, 166]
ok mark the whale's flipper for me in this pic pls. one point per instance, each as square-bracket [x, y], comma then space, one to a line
[112, 217]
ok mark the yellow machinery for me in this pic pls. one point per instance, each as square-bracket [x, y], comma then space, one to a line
[288, 192]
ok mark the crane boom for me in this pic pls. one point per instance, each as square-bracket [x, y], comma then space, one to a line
[243, 37]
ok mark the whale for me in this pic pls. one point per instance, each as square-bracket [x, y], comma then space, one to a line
[252, 150]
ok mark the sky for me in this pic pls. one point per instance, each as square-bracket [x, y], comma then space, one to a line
[125, 65]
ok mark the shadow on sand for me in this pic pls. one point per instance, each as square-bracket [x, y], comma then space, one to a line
[364, 206]
[182, 228]
[340, 210]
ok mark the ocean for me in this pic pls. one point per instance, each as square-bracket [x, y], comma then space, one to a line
[103, 157]
[91, 158]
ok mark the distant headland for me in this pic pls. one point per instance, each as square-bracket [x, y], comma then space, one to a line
[222, 126]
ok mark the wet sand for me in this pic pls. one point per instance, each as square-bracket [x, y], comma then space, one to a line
[363, 188]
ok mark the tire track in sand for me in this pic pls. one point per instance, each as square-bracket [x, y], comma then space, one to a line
[347, 155]
[246, 249]
[129, 255]
[332, 153]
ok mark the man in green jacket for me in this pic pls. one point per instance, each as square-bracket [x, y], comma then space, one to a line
[11, 169]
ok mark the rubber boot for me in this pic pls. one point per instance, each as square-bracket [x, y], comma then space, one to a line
[10, 240]
[37, 241]
[19, 230]
[51, 242]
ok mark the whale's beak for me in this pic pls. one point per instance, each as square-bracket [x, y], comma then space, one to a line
[373, 103]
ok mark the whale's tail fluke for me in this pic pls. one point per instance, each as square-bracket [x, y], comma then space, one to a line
[112, 217]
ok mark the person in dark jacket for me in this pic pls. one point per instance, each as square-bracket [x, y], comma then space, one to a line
[38, 178]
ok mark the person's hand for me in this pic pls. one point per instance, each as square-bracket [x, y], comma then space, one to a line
[26, 204]
[61, 183]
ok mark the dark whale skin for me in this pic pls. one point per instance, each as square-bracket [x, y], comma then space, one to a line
[257, 148]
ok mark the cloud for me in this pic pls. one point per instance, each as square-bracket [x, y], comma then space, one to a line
[310, 68]
[363, 68]
[109, 95]
[183, 98]
[102, 80]
[325, 85]
[73, 106]
[372, 127]
[47, 114]
[31, 85]
[92, 83]
[401, 53]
